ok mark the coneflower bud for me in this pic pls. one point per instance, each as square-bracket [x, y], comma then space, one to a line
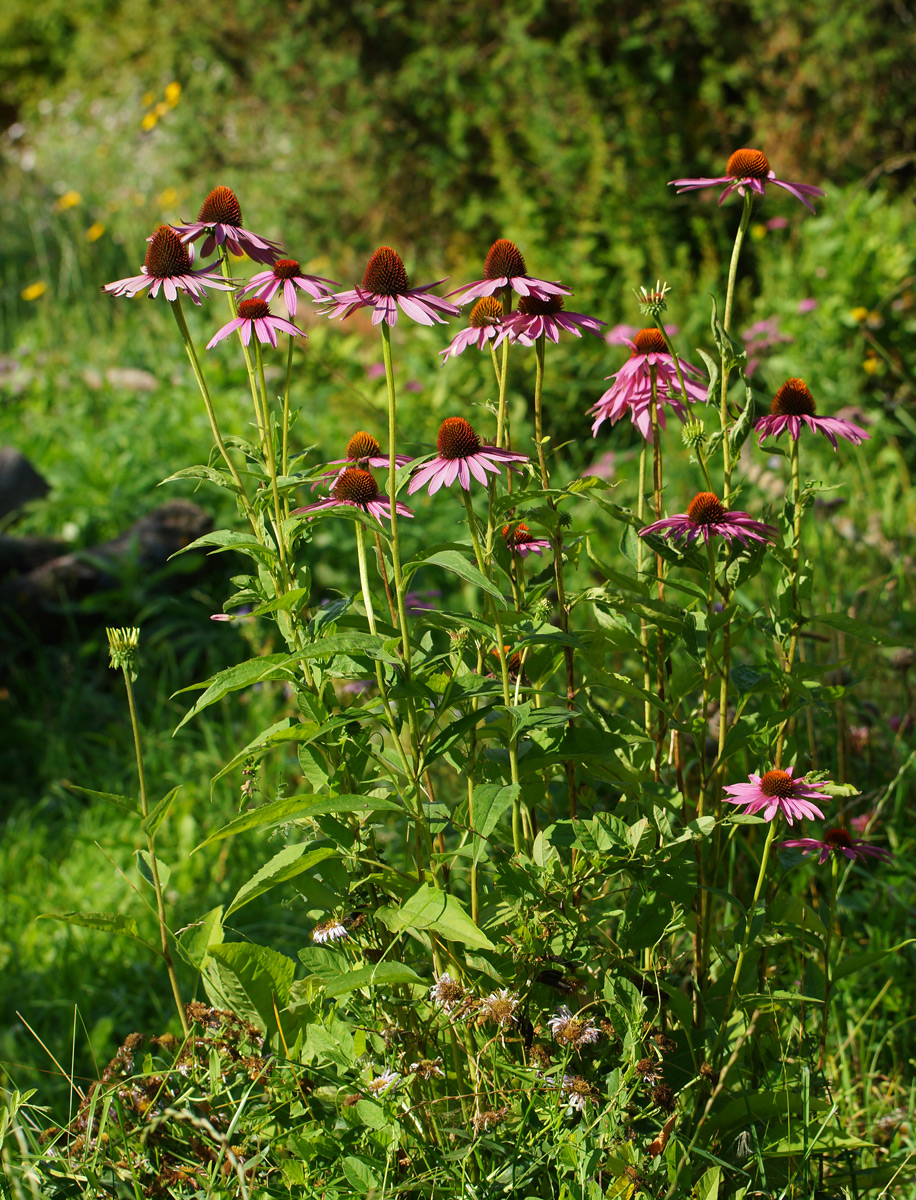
[651, 301]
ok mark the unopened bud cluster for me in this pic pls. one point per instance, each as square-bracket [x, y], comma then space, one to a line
[694, 435]
[122, 648]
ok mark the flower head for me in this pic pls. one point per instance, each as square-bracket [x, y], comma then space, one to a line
[749, 170]
[837, 841]
[631, 391]
[544, 317]
[167, 265]
[255, 316]
[485, 324]
[447, 993]
[427, 1068]
[220, 219]
[652, 301]
[573, 1031]
[793, 405]
[357, 487]
[383, 1083]
[707, 517]
[385, 288]
[578, 1091]
[774, 792]
[363, 450]
[500, 1008]
[461, 455]
[329, 931]
[288, 275]
[505, 268]
[519, 540]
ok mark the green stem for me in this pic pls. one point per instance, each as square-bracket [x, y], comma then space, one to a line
[503, 668]
[153, 862]
[726, 325]
[746, 940]
[569, 766]
[502, 423]
[226, 272]
[659, 563]
[828, 938]
[272, 469]
[796, 615]
[211, 413]
[284, 453]
[640, 559]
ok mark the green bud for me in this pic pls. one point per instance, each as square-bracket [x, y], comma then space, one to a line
[122, 649]
[652, 302]
[693, 434]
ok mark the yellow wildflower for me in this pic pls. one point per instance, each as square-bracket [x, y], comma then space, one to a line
[149, 122]
[34, 290]
[168, 198]
[95, 231]
[859, 313]
[758, 231]
[68, 200]
[172, 93]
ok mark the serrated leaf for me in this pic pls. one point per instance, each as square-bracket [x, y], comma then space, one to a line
[195, 941]
[290, 862]
[375, 974]
[104, 922]
[248, 979]
[220, 478]
[300, 808]
[289, 601]
[125, 803]
[451, 560]
[159, 812]
[233, 679]
[429, 908]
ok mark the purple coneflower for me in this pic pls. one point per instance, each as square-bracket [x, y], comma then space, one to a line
[167, 265]
[707, 517]
[363, 450]
[255, 315]
[775, 792]
[485, 324]
[749, 169]
[505, 268]
[287, 273]
[631, 391]
[519, 540]
[385, 288]
[837, 841]
[220, 218]
[461, 455]
[358, 488]
[794, 404]
[536, 317]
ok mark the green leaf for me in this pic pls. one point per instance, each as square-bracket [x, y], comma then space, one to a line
[290, 862]
[451, 560]
[359, 1175]
[159, 813]
[856, 629]
[220, 478]
[429, 908]
[372, 1115]
[491, 800]
[370, 976]
[857, 962]
[248, 979]
[447, 737]
[253, 670]
[195, 941]
[299, 808]
[707, 1186]
[104, 922]
[293, 599]
[125, 803]
[145, 867]
[371, 644]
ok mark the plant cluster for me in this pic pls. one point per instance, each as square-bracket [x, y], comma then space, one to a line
[552, 944]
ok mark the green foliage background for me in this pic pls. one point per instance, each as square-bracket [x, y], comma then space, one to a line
[436, 129]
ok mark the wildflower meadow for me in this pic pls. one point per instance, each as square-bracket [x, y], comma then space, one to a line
[504, 789]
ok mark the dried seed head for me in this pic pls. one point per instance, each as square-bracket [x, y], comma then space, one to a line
[487, 311]
[356, 486]
[385, 274]
[793, 400]
[777, 783]
[457, 439]
[663, 1096]
[490, 1119]
[748, 164]
[286, 268]
[534, 306]
[254, 310]
[362, 445]
[649, 341]
[504, 261]
[167, 255]
[221, 208]
[705, 509]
